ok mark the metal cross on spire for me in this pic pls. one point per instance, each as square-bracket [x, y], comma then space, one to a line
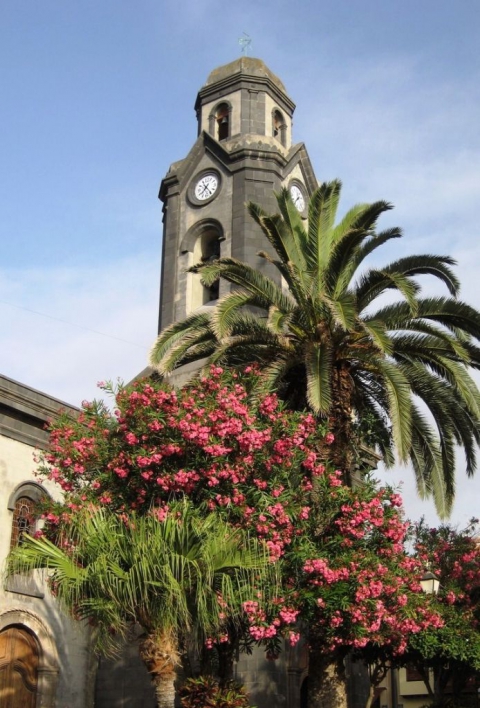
[245, 43]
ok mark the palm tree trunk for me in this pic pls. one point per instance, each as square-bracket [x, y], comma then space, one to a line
[159, 652]
[340, 420]
[327, 687]
[165, 692]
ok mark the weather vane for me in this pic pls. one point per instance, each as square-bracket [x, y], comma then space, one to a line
[245, 43]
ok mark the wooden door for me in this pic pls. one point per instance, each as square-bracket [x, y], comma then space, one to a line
[18, 669]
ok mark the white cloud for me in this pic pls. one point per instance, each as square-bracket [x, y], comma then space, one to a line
[66, 360]
[466, 498]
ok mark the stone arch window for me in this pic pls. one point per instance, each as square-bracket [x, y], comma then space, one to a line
[203, 243]
[22, 503]
[279, 127]
[219, 121]
[23, 520]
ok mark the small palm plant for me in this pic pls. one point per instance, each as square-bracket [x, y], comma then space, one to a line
[322, 339]
[181, 579]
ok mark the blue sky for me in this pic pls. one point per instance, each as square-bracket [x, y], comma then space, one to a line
[97, 101]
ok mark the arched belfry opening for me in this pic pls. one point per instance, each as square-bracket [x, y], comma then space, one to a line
[210, 248]
[279, 127]
[220, 121]
[203, 243]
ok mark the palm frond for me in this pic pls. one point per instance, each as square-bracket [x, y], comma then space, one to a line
[368, 216]
[263, 288]
[343, 310]
[294, 231]
[374, 242]
[176, 331]
[340, 258]
[375, 282]
[191, 347]
[427, 463]
[453, 422]
[422, 336]
[228, 309]
[376, 331]
[399, 404]
[453, 314]
[428, 264]
[286, 234]
[321, 218]
[318, 365]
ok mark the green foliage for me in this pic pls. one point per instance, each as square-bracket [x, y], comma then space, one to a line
[206, 692]
[324, 343]
[261, 472]
[452, 651]
[187, 574]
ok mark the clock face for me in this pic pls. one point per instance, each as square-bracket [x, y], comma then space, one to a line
[297, 197]
[206, 187]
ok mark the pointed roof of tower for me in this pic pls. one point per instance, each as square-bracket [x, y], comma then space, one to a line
[244, 65]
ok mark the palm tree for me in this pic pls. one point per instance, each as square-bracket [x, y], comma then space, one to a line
[181, 579]
[322, 338]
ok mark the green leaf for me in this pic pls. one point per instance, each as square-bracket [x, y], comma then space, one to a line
[318, 364]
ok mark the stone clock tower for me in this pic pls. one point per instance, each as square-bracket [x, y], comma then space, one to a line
[243, 152]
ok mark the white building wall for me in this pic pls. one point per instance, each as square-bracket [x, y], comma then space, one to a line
[65, 657]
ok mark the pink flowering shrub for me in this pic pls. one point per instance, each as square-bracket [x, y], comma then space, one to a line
[340, 551]
[362, 589]
[204, 441]
[453, 651]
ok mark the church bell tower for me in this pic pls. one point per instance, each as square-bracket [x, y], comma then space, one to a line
[243, 153]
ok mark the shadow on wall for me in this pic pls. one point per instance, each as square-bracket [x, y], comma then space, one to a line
[124, 681]
[265, 680]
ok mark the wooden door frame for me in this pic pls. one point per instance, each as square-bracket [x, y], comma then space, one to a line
[48, 663]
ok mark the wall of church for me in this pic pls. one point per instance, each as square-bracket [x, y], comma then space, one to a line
[296, 173]
[65, 659]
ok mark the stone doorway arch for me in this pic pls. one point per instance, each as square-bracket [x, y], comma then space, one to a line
[30, 672]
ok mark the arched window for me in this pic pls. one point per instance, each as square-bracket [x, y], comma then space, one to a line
[201, 244]
[23, 520]
[279, 127]
[222, 121]
[22, 503]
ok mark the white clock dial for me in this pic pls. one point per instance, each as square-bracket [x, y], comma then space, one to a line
[206, 187]
[297, 197]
